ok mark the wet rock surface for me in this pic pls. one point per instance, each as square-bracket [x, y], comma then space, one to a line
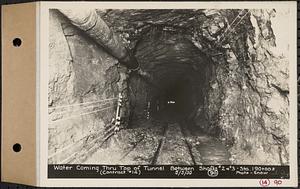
[160, 143]
[231, 65]
[84, 83]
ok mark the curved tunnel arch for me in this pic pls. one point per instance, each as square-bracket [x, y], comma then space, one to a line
[219, 85]
[178, 69]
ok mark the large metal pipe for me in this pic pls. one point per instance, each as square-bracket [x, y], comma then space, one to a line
[93, 25]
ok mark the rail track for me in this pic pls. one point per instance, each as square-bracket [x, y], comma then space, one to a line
[174, 143]
[163, 143]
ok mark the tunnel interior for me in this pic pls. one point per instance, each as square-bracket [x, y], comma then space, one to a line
[215, 78]
[177, 98]
[178, 76]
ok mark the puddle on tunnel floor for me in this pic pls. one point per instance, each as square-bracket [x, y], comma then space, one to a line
[161, 143]
[209, 150]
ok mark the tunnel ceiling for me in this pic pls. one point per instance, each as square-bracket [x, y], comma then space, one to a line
[169, 44]
[189, 29]
[179, 48]
[173, 45]
[166, 48]
[134, 22]
[208, 25]
[168, 57]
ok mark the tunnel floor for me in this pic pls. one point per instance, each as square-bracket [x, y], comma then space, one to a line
[161, 142]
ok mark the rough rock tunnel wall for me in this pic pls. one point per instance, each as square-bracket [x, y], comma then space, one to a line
[244, 98]
[247, 103]
[84, 83]
[176, 67]
[239, 77]
[138, 99]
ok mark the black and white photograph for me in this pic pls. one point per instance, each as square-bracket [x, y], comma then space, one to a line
[150, 94]
[174, 87]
